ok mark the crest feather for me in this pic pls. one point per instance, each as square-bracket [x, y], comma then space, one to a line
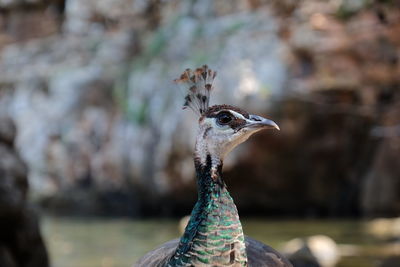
[197, 84]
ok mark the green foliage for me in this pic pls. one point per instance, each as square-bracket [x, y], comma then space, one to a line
[235, 27]
[349, 8]
[153, 45]
[121, 95]
[157, 44]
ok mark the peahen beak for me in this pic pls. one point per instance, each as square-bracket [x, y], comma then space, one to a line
[255, 121]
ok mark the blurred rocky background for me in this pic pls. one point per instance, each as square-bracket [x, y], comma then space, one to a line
[100, 126]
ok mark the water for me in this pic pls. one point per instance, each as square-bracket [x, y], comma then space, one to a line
[103, 242]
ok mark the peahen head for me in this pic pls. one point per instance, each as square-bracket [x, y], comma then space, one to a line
[221, 127]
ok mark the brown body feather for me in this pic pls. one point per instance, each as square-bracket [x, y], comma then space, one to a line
[259, 255]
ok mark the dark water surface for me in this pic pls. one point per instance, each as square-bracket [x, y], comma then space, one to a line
[99, 242]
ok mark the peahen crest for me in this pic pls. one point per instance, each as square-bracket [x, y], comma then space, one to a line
[197, 87]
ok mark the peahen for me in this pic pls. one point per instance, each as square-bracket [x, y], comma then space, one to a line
[214, 235]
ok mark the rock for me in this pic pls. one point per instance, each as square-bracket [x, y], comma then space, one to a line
[318, 250]
[381, 186]
[20, 239]
[88, 84]
[73, 83]
[23, 20]
[392, 261]
[8, 131]
[385, 228]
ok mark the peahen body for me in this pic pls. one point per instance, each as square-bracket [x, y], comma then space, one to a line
[214, 235]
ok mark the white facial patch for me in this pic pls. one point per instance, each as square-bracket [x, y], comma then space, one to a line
[218, 140]
[240, 116]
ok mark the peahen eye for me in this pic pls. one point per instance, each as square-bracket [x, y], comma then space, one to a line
[224, 118]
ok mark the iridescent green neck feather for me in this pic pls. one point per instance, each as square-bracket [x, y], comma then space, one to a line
[214, 235]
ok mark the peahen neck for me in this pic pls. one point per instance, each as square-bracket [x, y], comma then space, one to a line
[214, 235]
